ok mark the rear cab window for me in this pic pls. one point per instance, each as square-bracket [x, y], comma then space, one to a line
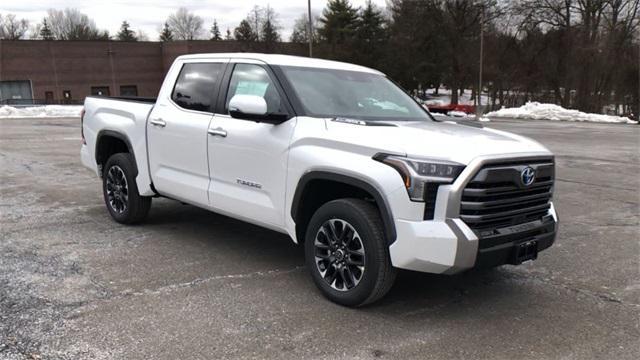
[197, 86]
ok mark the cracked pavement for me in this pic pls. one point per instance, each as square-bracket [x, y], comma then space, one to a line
[193, 284]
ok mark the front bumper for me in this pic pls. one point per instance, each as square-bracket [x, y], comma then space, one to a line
[447, 245]
[450, 246]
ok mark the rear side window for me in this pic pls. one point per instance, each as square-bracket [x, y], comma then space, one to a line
[197, 86]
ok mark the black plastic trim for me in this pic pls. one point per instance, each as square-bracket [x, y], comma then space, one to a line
[120, 136]
[385, 210]
[139, 99]
[430, 197]
[503, 253]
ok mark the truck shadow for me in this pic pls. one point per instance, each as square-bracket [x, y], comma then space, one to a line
[414, 293]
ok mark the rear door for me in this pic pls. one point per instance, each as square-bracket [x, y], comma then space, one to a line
[177, 130]
[248, 159]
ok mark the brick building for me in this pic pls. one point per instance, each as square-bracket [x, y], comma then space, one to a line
[68, 71]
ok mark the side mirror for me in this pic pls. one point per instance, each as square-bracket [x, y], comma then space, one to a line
[253, 107]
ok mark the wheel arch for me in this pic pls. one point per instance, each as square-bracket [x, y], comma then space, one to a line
[304, 203]
[109, 142]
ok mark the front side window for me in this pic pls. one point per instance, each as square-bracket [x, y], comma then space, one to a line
[197, 86]
[352, 94]
[249, 79]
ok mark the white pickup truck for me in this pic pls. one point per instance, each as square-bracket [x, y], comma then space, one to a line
[336, 156]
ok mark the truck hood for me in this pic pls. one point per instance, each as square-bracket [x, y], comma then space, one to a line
[435, 140]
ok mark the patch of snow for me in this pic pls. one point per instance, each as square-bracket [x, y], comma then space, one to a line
[437, 102]
[484, 119]
[459, 114]
[444, 97]
[46, 111]
[538, 111]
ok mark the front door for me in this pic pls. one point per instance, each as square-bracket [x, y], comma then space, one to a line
[248, 159]
[177, 132]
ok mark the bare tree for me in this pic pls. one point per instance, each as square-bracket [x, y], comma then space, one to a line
[142, 36]
[255, 18]
[269, 27]
[11, 28]
[300, 33]
[71, 24]
[185, 25]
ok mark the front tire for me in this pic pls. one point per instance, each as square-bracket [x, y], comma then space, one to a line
[347, 253]
[120, 190]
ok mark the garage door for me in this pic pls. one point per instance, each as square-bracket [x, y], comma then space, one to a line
[15, 92]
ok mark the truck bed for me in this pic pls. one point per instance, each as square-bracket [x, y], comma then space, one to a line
[109, 116]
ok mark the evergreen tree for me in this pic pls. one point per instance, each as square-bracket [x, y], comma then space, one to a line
[215, 31]
[101, 35]
[370, 36]
[166, 34]
[339, 20]
[415, 57]
[125, 33]
[244, 32]
[270, 35]
[371, 25]
[269, 27]
[45, 31]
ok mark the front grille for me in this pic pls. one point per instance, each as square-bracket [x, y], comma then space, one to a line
[496, 198]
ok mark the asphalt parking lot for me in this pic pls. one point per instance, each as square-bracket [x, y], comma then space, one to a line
[193, 284]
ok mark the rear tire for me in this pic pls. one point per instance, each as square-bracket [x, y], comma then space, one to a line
[347, 253]
[120, 191]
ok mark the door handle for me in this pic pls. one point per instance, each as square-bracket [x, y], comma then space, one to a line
[158, 122]
[217, 132]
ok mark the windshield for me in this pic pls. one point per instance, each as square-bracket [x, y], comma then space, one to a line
[352, 94]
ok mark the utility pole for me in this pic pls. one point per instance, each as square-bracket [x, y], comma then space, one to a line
[481, 58]
[310, 29]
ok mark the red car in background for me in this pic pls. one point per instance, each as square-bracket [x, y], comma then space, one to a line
[445, 109]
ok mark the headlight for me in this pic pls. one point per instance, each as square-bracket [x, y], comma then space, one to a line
[416, 173]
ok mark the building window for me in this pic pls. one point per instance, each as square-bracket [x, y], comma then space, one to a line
[100, 90]
[128, 90]
[66, 94]
[48, 97]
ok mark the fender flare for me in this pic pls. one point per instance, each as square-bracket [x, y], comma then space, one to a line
[119, 136]
[383, 205]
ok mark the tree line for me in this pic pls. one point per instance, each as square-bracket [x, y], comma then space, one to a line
[580, 54]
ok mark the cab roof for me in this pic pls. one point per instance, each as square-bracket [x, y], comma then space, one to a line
[285, 60]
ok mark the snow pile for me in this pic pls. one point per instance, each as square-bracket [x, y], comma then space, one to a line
[538, 111]
[47, 111]
[460, 114]
[437, 102]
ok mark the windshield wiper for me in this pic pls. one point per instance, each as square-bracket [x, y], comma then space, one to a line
[361, 122]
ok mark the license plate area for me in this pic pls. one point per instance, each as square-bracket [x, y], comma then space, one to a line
[525, 251]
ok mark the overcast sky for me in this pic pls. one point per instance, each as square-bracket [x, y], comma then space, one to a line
[148, 15]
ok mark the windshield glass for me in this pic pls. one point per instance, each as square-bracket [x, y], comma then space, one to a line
[352, 94]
